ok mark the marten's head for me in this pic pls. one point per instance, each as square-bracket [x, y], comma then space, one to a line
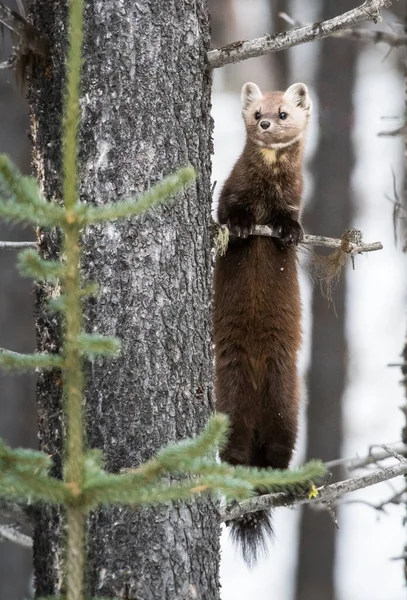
[276, 119]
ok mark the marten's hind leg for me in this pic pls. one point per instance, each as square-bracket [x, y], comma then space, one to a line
[236, 397]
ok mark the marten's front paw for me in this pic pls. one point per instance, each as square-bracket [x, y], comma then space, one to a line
[288, 230]
[240, 223]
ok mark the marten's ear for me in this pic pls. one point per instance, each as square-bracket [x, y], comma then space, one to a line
[298, 95]
[250, 92]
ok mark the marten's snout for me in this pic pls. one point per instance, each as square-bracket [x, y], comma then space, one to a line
[265, 124]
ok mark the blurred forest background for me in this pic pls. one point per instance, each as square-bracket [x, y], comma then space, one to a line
[351, 397]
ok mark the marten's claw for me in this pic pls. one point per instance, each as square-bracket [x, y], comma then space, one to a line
[240, 225]
[289, 231]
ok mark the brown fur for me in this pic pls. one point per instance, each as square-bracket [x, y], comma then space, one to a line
[257, 307]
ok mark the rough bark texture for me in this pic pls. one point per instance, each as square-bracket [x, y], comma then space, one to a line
[330, 213]
[145, 112]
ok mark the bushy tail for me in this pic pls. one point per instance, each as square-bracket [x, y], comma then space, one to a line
[251, 532]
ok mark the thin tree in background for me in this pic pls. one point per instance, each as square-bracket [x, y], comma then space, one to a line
[330, 211]
[404, 237]
[279, 61]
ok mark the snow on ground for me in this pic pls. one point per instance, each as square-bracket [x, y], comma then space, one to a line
[376, 325]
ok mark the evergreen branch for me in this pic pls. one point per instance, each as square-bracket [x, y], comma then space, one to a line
[31, 265]
[292, 481]
[98, 345]
[14, 361]
[178, 457]
[23, 474]
[163, 190]
[58, 303]
[22, 201]
[145, 484]
[90, 289]
[35, 488]
[242, 50]
[22, 460]
[326, 494]
[120, 490]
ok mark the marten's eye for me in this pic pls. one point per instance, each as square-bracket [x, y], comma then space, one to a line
[283, 115]
[257, 115]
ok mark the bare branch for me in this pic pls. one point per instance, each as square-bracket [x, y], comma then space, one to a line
[31, 37]
[242, 50]
[12, 534]
[326, 494]
[396, 499]
[393, 452]
[394, 132]
[359, 462]
[395, 40]
[321, 240]
[16, 245]
[401, 557]
[15, 511]
[343, 244]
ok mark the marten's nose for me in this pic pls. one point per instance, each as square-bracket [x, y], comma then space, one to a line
[265, 124]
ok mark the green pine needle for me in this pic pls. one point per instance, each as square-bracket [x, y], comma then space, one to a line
[13, 361]
[31, 265]
[176, 456]
[91, 289]
[292, 481]
[23, 475]
[93, 345]
[162, 191]
[57, 304]
[22, 459]
[21, 200]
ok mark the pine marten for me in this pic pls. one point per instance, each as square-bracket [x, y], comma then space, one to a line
[257, 308]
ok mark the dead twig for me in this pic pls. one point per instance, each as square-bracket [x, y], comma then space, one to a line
[393, 39]
[242, 50]
[344, 244]
[31, 37]
[16, 245]
[326, 494]
[12, 534]
[360, 462]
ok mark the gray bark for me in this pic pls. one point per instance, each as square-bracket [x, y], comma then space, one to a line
[145, 112]
[331, 213]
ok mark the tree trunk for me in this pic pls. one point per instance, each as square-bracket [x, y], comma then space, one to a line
[330, 213]
[145, 112]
